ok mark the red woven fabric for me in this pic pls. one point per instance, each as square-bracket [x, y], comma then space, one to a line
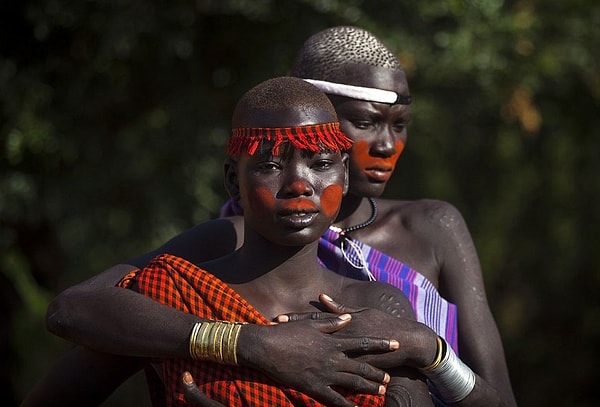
[181, 285]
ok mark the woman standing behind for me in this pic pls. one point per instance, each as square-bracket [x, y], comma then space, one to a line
[426, 241]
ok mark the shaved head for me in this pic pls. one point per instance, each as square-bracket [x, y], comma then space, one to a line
[282, 102]
[327, 54]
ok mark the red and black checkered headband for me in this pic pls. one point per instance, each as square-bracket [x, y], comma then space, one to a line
[316, 138]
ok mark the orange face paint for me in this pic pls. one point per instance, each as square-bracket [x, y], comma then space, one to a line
[298, 187]
[378, 168]
[297, 204]
[331, 198]
[262, 201]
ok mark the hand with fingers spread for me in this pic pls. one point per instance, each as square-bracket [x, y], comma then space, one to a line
[415, 339]
[427, 238]
[325, 365]
[324, 357]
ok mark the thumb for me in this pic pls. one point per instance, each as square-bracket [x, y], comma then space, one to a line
[333, 324]
[334, 306]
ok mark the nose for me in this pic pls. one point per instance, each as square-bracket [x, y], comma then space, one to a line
[298, 188]
[385, 144]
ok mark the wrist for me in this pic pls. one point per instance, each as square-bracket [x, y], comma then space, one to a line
[428, 350]
[215, 341]
[451, 380]
[250, 345]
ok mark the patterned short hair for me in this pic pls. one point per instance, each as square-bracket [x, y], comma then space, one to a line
[324, 54]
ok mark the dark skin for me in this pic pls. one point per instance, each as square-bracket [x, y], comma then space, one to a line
[283, 287]
[276, 269]
[428, 235]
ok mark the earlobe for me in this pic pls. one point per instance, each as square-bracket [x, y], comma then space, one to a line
[346, 161]
[232, 184]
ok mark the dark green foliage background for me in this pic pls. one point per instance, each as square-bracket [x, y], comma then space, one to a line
[114, 115]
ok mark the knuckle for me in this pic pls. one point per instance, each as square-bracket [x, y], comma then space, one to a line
[364, 344]
[355, 385]
[363, 369]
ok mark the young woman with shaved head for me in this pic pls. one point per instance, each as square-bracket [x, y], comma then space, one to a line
[422, 247]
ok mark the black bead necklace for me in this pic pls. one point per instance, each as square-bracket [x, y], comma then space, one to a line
[365, 223]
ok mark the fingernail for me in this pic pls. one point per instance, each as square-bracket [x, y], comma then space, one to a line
[345, 317]
[381, 390]
[187, 378]
[386, 378]
[394, 344]
[326, 297]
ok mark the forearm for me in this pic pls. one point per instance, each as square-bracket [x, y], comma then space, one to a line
[483, 394]
[120, 321]
[455, 383]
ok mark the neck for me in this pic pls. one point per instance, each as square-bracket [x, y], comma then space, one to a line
[349, 206]
[354, 210]
[260, 258]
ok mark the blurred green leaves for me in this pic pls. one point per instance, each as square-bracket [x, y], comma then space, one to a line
[114, 116]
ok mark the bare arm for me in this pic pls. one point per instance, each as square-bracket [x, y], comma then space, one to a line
[101, 316]
[115, 320]
[120, 321]
[417, 347]
[461, 282]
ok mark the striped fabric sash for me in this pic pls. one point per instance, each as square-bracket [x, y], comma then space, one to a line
[179, 284]
[429, 306]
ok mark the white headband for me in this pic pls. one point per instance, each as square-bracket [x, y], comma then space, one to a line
[361, 92]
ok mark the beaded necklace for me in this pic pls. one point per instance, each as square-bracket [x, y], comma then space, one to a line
[348, 246]
[365, 223]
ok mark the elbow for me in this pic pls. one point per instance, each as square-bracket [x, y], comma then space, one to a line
[58, 316]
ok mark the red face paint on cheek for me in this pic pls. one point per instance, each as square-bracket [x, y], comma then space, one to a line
[261, 201]
[331, 199]
[360, 153]
[361, 156]
[399, 149]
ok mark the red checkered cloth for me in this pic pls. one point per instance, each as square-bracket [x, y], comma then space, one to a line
[179, 284]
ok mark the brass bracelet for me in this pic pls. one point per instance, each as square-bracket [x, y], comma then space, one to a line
[438, 355]
[215, 341]
[193, 340]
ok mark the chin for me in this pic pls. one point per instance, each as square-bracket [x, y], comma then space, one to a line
[371, 190]
[302, 237]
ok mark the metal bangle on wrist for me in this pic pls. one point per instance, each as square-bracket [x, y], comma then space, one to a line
[215, 341]
[450, 379]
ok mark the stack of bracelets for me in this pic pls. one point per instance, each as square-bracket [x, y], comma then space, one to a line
[451, 380]
[215, 341]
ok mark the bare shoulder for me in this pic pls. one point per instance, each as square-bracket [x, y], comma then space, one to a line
[207, 240]
[379, 295]
[421, 214]
[419, 233]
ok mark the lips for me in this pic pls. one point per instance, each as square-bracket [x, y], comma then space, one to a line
[379, 173]
[298, 219]
[298, 213]
[298, 205]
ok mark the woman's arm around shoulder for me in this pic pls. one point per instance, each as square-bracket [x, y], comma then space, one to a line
[461, 282]
[91, 313]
